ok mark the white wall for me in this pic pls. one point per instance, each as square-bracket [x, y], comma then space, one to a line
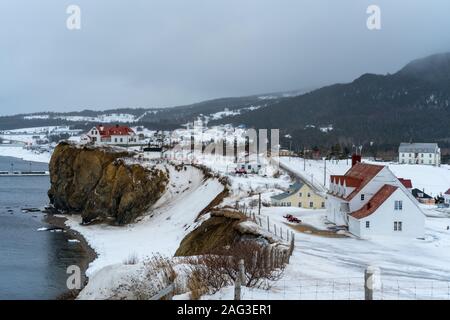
[422, 158]
[382, 220]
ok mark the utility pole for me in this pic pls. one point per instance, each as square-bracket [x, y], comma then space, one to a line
[259, 204]
[304, 159]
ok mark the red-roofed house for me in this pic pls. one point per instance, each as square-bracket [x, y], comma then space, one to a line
[371, 201]
[113, 135]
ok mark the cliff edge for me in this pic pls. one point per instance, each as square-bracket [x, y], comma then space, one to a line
[100, 184]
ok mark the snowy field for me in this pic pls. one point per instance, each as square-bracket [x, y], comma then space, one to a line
[26, 155]
[434, 180]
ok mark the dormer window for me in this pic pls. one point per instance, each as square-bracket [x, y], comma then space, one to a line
[362, 197]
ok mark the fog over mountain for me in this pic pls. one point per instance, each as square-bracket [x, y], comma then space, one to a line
[165, 53]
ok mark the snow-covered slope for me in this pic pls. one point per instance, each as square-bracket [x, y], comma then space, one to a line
[168, 222]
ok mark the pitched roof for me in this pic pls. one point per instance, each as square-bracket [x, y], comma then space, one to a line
[417, 193]
[361, 172]
[292, 190]
[418, 147]
[406, 182]
[108, 131]
[447, 192]
[377, 200]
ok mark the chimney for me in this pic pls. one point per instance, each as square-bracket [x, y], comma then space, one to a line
[355, 159]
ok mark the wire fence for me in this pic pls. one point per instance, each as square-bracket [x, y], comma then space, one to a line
[350, 289]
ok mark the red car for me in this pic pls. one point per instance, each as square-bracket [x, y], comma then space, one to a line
[292, 219]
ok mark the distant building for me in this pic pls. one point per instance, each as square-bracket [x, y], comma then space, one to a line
[299, 195]
[447, 197]
[422, 197]
[112, 135]
[371, 201]
[419, 153]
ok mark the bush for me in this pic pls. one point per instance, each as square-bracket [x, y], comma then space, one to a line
[209, 273]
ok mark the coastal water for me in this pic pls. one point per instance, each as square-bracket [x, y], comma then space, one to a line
[33, 263]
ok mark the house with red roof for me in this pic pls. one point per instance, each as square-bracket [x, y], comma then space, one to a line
[112, 135]
[371, 201]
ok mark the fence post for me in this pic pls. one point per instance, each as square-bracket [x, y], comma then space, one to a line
[369, 281]
[242, 270]
[240, 278]
[237, 288]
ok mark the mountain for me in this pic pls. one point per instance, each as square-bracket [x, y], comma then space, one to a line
[152, 118]
[410, 105]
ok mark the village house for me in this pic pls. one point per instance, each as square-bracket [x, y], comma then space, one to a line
[112, 135]
[371, 201]
[447, 197]
[422, 197]
[419, 153]
[299, 195]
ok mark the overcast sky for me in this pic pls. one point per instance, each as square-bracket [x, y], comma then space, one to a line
[157, 53]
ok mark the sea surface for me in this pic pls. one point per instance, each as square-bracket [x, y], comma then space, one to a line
[33, 263]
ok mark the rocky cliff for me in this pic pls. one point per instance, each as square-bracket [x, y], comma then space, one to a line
[99, 183]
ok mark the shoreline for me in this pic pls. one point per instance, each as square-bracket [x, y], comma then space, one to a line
[89, 254]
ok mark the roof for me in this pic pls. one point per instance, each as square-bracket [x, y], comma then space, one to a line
[349, 181]
[418, 147]
[108, 131]
[406, 182]
[447, 192]
[292, 190]
[377, 200]
[417, 193]
[361, 172]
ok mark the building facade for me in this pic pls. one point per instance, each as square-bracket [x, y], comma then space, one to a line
[371, 201]
[112, 135]
[299, 195]
[419, 153]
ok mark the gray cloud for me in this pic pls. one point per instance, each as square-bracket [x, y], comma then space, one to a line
[154, 53]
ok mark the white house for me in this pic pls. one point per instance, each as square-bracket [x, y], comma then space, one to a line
[419, 153]
[446, 196]
[112, 135]
[371, 201]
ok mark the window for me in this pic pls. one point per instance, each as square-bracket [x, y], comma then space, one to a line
[300, 194]
[398, 226]
[121, 139]
[395, 225]
[398, 205]
[430, 155]
[367, 224]
[300, 204]
[323, 204]
[421, 155]
[311, 204]
[362, 197]
[309, 195]
[288, 204]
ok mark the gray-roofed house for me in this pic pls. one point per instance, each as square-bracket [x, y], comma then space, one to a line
[419, 153]
[299, 195]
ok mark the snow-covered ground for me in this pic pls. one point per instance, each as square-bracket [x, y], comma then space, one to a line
[21, 153]
[434, 180]
[333, 267]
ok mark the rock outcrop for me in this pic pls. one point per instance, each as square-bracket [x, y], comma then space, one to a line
[99, 183]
